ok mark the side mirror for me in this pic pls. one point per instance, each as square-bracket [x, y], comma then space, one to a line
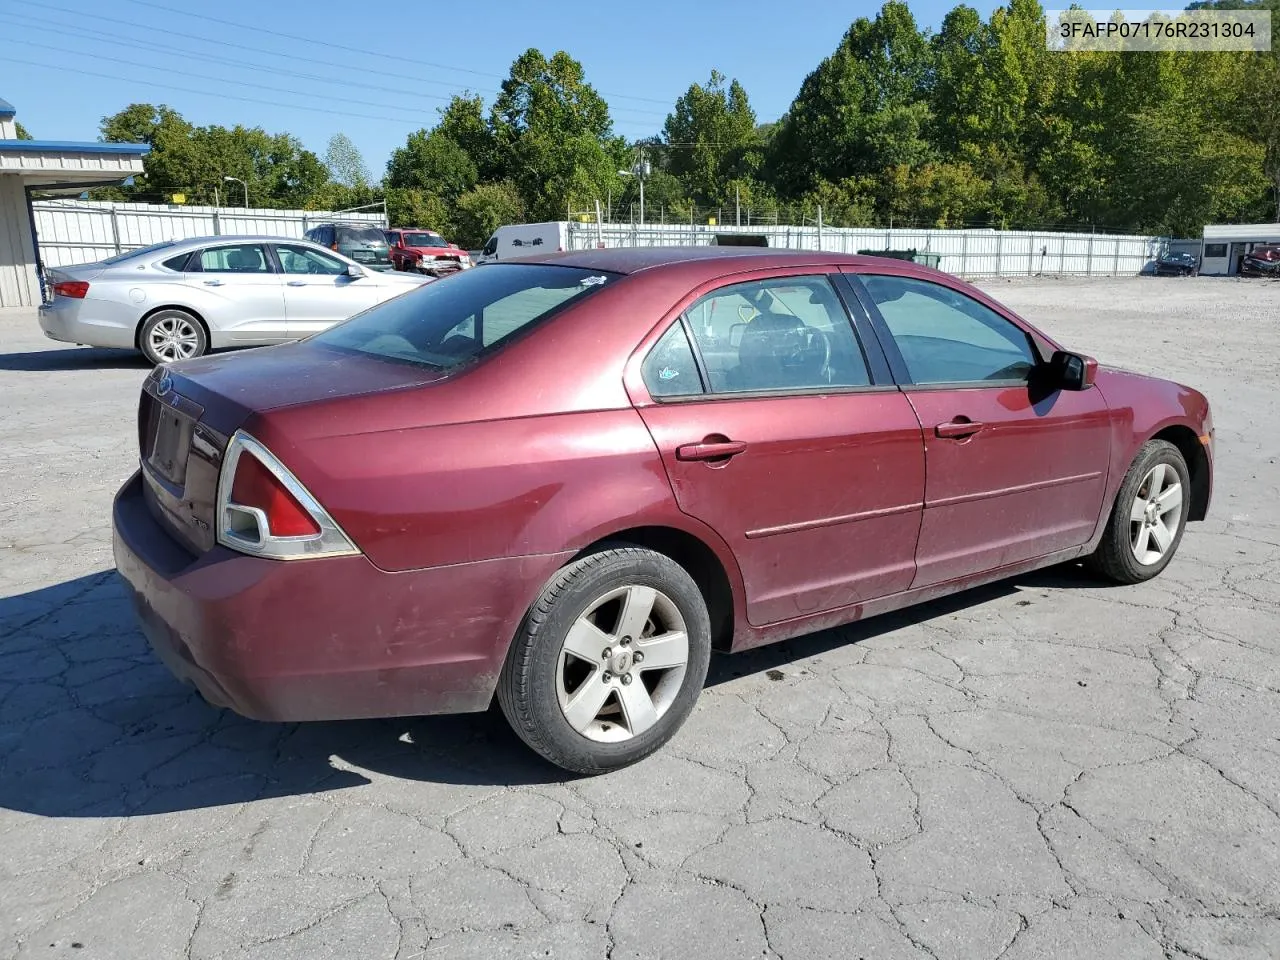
[354, 271]
[1072, 371]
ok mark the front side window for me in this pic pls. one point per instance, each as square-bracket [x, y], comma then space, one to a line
[449, 322]
[305, 260]
[783, 334]
[242, 258]
[947, 337]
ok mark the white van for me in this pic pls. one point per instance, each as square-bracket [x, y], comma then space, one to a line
[524, 239]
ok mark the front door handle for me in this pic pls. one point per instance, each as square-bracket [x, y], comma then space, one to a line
[715, 450]
[959, 428]
[297, 283]
[213, 283]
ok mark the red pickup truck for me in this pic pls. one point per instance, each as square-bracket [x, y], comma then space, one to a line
[425, 251]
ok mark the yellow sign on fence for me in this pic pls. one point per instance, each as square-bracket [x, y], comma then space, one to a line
[179, 198]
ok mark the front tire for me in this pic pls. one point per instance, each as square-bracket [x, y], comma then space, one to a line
[1148, 518]
[609, 661]
[170, 335]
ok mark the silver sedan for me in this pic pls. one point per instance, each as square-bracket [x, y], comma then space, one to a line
[181, 299]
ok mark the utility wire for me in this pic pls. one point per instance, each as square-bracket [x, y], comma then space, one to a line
[168, 47]
[339, 46]
[239, 83]
[207, 93]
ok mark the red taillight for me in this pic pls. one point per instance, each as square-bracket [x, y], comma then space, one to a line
[71, 288]
[256, 486]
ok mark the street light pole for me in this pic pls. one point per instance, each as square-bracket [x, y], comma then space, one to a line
[243, 184]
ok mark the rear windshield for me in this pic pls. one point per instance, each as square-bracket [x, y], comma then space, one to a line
[140, 252]
[424, 240]
[364, 235]
[451, 321]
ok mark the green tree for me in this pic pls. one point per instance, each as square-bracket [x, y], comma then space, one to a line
[482, 210]
[21, 131]
[345, 164]
[712, 139]
[411, 207]
[554, 136]
[141, 123]
[862, 110]
[463, 121]
[432, 161]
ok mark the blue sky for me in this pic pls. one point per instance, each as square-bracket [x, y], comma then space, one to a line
[66, 63]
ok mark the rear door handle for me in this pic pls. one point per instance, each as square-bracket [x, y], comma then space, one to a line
[720, 450]
[213, 283]
[958, 428]
[297, 283]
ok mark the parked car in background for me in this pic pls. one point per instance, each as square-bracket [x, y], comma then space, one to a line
[1177, 265]
[1263, 261]
[566, 480]
[365, 244]
[425, 251]
[180, 299]
[523, 239]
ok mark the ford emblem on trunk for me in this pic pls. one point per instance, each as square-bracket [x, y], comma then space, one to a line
[164, 386]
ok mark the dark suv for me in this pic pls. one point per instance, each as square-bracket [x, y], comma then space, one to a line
[363, 243]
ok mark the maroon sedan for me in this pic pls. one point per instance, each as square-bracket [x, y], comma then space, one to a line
[565, 480]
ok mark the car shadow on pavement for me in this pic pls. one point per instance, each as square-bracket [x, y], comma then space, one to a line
[75, 358]
[92, 725]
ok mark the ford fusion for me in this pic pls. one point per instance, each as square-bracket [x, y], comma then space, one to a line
[562, 482]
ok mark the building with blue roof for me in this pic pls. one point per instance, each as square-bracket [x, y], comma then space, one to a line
[29, 166]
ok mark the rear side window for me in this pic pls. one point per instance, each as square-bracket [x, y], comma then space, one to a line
[242, 258]
[670, 369]
[140, 252]
[450, 322]
[178, 263]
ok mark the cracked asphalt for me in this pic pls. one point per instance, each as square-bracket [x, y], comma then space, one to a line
[1047, 767]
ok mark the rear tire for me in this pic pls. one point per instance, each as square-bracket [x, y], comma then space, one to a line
[609, 660]
[1148, 517]
[172, 334]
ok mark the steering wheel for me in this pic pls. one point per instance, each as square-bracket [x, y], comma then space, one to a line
[807, 351]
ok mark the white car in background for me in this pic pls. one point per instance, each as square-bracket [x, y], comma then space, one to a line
[183, 298]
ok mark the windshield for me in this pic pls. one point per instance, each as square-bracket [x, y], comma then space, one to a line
[452, 321]
[140, 252]
[424, 240]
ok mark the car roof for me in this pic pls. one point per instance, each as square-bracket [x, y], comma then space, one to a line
[716, 260]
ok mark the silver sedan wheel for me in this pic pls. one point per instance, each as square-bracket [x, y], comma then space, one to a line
[622, 664]
[1156, 514]
[174, 338]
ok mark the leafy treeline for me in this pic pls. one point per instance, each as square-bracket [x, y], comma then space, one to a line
[976, 124]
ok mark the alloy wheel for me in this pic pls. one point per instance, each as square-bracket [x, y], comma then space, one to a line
[1156, 514]
[174, 338]
[622, 664]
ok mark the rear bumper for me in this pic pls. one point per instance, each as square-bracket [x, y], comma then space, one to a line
[322, 639]
[97, 323]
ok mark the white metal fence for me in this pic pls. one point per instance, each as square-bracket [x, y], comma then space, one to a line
[1002, 253]
[79, 231]
[82, 231]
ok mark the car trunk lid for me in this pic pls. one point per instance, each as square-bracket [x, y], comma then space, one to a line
[188, 412]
